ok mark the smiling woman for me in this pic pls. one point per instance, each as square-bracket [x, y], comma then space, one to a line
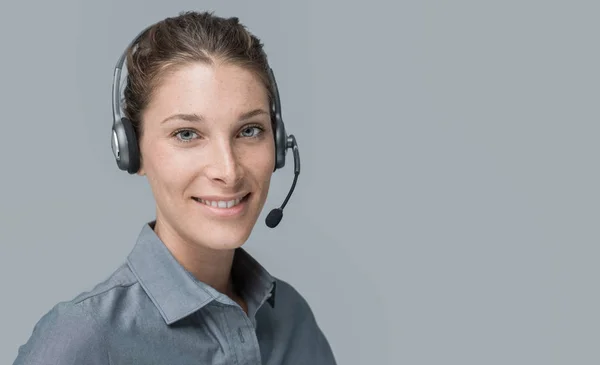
[201, 124]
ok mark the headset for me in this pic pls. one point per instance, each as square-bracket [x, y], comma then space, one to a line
[125, 146]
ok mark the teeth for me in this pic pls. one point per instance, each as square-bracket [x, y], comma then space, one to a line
[221, 203]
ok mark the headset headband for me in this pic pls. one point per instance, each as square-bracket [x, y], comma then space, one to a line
[116, 88]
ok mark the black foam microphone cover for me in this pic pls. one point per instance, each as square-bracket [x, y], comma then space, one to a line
[274, 217]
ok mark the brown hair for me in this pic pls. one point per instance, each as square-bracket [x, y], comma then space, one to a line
[177, 41]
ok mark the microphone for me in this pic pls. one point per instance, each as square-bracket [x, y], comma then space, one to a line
[275, 215]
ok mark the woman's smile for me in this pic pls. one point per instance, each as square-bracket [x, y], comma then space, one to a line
[224, 207]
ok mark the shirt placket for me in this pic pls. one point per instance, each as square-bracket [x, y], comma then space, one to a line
[242, 337]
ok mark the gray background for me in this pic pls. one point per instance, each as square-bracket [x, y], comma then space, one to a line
[448, 207]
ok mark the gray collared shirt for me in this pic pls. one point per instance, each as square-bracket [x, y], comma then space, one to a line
[153, 311]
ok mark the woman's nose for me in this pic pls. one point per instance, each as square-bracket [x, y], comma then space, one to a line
[224, 165]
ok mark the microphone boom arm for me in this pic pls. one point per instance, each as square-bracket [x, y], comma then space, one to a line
[291, 143]
[274, 217]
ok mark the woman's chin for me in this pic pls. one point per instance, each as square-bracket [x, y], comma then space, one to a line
[222, 237]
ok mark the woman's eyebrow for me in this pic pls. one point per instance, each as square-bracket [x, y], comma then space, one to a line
[253, 113]
[182, 116]
[196, 118]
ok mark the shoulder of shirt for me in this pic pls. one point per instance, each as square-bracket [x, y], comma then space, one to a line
[81, 303]
[297, 310]
[286, 291]
[99, 301]
[71, 328]
[122, 277]
[289, 298]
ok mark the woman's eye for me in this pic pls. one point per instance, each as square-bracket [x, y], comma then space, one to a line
[186, 135]
[251, 131]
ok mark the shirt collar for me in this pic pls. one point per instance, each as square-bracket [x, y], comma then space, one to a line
[176, 293]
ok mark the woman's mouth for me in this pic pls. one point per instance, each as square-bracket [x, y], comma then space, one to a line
[223, 207]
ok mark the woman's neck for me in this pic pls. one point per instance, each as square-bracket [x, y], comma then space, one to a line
[212, 267]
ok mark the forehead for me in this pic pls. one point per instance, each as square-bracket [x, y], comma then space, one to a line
[215, 91]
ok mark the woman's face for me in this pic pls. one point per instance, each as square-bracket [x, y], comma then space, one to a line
[208, 153]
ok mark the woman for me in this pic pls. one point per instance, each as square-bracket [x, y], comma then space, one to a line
[201, 123]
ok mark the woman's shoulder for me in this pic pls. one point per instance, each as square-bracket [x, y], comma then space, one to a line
[296, 322]
[288, 296]
[291, 303]
[67, 334]
[74, 328]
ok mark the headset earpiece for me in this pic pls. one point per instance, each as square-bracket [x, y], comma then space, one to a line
[128, 154]
[280, 144]
[279, 133]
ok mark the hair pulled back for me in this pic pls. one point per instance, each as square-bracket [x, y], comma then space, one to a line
[187, 38]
